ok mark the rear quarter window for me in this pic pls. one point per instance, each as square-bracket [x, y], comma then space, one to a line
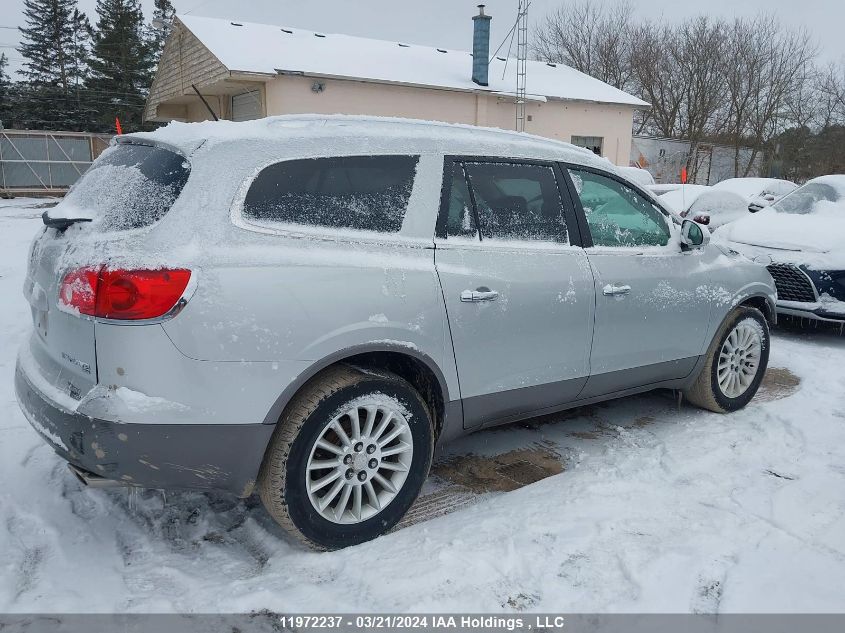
[367, 193]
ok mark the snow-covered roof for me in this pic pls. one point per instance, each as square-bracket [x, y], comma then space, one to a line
[264, 48]
[305, 132]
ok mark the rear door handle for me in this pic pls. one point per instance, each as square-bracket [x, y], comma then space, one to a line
[479, 295]
[615, 290]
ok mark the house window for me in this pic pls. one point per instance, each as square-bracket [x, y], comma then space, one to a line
[592, 143]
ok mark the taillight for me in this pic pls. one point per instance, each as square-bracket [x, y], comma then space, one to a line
[123, 294]
[78, 291]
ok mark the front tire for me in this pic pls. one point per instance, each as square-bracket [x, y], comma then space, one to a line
[348, 457]
[735, 364]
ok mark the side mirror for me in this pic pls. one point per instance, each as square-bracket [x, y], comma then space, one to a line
[754, 207]
[693, 236]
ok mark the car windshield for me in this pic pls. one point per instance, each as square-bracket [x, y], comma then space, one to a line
[803, 200]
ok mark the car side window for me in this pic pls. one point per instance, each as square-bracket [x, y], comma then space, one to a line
[357, 192]
[513, 201]
[616, 214]
[461, 219]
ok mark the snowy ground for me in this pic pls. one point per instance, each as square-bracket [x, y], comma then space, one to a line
[657, 509]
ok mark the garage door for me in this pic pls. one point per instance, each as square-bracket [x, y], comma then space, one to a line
[247, 106]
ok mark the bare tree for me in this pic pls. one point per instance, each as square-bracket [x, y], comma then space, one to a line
[829, 91]
[592, 37]
[679, 70]
[766, 70]
[658, 80]
[743, 82]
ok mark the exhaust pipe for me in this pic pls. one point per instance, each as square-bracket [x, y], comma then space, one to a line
[95, 481]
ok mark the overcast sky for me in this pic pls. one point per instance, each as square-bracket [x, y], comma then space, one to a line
[447, 23]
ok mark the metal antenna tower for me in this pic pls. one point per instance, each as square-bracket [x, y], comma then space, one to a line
[521, 62]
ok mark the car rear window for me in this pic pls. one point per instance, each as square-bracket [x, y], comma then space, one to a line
[129, 186]
[352, 192]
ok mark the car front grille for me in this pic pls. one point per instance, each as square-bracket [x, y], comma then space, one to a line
[792, 284]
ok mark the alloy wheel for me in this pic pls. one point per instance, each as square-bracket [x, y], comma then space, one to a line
[739, 358]
[359, 462]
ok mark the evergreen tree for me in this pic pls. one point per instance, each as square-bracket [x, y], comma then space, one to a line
[54, 65]
[5, 94]
[121, 64]
[84, 105]
[79, 48]
[163, 14]
[46, 42]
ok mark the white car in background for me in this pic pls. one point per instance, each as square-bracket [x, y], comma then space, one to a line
[705, 205]
[758, 192]
[660, 188]
[637, 175]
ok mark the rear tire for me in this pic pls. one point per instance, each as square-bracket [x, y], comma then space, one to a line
[735, 364]
[333, 476]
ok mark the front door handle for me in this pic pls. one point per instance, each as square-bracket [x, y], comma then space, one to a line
[478, 295]
[615, 290]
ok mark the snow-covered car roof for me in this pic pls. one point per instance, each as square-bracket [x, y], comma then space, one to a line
[681, 197]
[749, 188]
[268, 49]
[638, 175]
[366, 133]
[837, 181]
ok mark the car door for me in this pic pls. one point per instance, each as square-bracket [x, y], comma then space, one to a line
[653, 299]
[517, 286]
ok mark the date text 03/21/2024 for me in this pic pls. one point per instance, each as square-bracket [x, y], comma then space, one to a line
[453, 622]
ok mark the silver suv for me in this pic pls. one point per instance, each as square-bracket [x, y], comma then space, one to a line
[306, 306]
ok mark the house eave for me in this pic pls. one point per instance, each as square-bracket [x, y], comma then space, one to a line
[283, 72]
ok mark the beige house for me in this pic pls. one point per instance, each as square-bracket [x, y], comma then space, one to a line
[241, 71]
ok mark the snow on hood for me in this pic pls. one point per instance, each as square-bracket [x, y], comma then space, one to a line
[815, 239]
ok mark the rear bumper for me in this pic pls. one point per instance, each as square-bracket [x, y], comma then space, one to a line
[197, 456]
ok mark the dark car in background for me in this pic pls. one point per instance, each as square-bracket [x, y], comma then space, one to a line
[804, 235]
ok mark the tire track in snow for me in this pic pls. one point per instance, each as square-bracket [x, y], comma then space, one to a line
[31, 555]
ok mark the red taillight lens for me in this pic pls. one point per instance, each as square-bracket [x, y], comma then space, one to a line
[123, 294]
[78, 291]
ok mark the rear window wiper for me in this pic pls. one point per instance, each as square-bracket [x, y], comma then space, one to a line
[60, 223]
